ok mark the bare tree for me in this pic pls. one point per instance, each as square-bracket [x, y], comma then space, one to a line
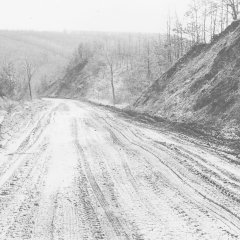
[214, 15]
[169, 40]
[178, 30]
[110, 63]
[207, 18]
[194, 15]
[204, 19]
[30, 71]
[222, 15]
[147, 56]
[234, 7]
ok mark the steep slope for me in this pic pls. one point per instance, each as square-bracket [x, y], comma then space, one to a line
[71, 85]
[202, 87]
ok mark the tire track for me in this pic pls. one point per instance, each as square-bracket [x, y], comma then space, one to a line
[21, 196]
[149, 149]
[115, 222]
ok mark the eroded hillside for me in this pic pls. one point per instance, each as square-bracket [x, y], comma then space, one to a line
[202, 87]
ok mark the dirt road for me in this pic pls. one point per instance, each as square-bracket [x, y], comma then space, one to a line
[80, 172]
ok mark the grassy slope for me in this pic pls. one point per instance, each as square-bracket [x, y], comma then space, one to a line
[202, 88]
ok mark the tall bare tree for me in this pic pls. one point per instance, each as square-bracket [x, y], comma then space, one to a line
[109, 56]
[179, 40]
[30, 70]
[147, 56]
[169, 40]
[234, 7]
[194, 16]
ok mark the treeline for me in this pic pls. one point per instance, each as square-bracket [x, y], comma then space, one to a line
[202, 22]
[205, 19]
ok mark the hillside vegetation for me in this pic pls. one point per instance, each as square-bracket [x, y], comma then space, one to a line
[202, 87]
[48, 53]
[116, 67]
[137, 59]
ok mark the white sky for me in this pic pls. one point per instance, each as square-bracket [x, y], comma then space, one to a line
[96, 15]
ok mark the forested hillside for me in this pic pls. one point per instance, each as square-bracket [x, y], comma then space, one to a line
[117, 67]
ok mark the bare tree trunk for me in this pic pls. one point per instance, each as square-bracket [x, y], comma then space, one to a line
[30, 88]
[204, 24]
[196, 23]
[234, 6]
[181, 42]
[30, 71]
[211, 26]
[112, 85]
[148, 59]
[214, 23]
[222, 16]
[169, 44]
[227, 11]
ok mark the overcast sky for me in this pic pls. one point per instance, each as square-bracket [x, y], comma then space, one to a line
[92, 15]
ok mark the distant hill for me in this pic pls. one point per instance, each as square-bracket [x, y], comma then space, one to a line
[202, 87]
[49, 51]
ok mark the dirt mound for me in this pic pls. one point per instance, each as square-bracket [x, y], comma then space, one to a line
[202, 87]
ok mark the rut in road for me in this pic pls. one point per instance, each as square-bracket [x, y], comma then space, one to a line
[85, 173]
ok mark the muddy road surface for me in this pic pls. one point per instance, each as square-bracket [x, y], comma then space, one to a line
[81, 172]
